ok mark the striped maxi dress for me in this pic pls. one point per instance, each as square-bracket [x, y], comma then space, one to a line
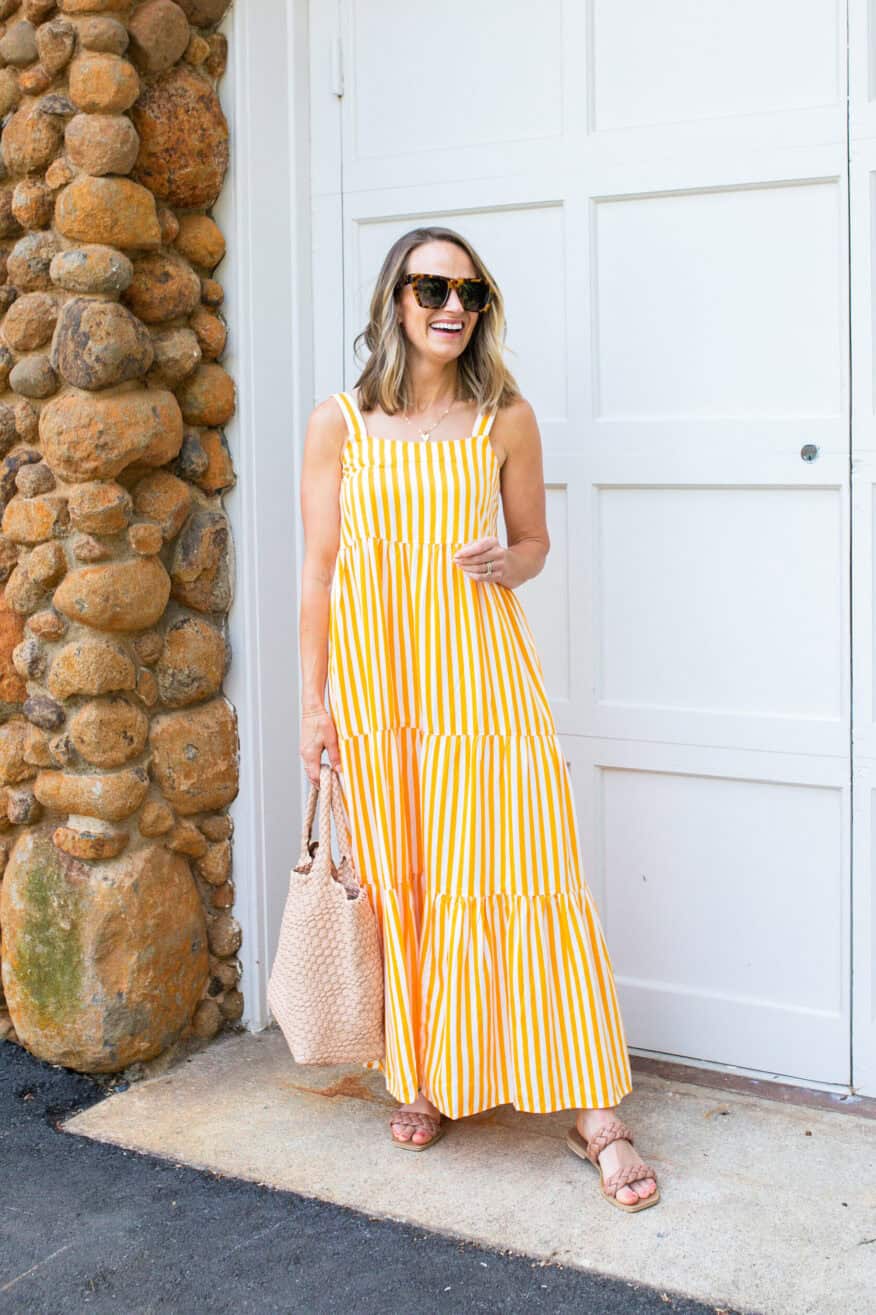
[498, 982]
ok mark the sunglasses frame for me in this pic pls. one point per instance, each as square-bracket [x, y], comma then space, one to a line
[451, 285]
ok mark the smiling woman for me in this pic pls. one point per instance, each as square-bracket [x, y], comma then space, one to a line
[498, 982]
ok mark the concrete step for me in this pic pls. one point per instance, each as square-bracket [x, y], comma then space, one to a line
[766, 1206]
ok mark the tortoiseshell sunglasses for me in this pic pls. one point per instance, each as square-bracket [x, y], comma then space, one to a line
[432, 291]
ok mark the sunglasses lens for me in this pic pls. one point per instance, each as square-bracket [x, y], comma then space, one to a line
[431, 291]
[474, 295]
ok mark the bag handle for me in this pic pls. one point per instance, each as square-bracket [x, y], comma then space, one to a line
[331, 805]
[340, 816]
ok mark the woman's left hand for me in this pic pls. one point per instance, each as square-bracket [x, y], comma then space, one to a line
[483, 560]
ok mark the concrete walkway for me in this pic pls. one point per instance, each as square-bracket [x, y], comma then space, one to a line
[766, 1207]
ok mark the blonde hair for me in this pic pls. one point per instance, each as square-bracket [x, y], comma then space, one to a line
[483, 375]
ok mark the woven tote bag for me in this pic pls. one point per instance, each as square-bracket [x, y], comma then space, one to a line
[326, 983]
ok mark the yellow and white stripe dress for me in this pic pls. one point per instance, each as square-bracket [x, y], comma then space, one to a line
[499, 985]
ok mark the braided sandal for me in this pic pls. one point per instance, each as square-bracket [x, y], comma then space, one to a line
[591, 1149]
[417, 1119]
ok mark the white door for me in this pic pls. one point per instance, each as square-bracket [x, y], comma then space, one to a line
[662, 192]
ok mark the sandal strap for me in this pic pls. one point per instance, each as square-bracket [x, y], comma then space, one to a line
[623, 1177]
[605, 1134]
[415, 1119]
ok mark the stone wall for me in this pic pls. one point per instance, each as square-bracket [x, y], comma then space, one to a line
[118, 751]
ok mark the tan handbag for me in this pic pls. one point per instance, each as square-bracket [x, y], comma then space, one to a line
[326, 984]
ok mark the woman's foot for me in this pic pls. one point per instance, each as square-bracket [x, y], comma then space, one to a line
[417, 1135]
[616, 1155]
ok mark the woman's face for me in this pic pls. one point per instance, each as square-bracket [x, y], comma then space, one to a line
[422, 327]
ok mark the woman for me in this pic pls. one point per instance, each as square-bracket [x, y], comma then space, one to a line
[499, 988]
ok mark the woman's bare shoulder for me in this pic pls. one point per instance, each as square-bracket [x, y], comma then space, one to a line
[515, 425]
[327, 416]
[325, 436]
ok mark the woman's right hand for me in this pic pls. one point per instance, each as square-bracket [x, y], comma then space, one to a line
[317, 734]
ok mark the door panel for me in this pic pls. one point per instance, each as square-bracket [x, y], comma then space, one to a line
[691, 338]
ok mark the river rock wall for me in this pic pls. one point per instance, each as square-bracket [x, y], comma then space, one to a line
[118, 750]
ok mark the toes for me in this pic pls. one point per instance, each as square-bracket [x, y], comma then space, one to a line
[644, 1187]
[401, 1133]
[629, 1197]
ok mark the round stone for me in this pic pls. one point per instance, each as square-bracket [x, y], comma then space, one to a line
[102, 143]
[112, 797]
[164, 499]
[125, 595]
[177, 353]
[90, 845]
[192, 663]
[55, 43]
[201, 565]
[96, 437]
[34, 81]
[156, 818]
[33, 203]
[91, 268]
[207, 396]
[210, 332]
[90, 666]
[34, 377]
[30, 260]
[32, 520]
[164, 287]
[100, 508]
[115, 211]
[109, 732]
[225, 935]
[159, 33]
[103, 968]
[59, 174]
[105, 34]
[200, 240]
[195, 756]
[103, 84]
[146, 539]
[30, 139]
[35, 479]
[207, 1020]
[30, 320]
[99, 343]
[18, 44]
[204, 13]
[183, 139]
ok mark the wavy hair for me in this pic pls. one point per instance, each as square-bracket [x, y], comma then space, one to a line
[483, 376]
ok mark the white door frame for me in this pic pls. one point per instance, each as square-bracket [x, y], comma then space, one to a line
[264, 212]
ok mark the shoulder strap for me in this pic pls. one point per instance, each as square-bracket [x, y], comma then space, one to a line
[484, 422]
[352, 414]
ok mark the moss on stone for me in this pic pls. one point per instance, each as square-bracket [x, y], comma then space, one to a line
[50, 960]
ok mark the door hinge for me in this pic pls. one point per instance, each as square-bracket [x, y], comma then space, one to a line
[337, 75]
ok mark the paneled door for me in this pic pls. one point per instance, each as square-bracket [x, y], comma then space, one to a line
[662, 192]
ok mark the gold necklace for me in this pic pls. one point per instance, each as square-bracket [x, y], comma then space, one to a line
[424, 433]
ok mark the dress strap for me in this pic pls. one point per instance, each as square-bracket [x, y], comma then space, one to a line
[484, 422]
[352, 414]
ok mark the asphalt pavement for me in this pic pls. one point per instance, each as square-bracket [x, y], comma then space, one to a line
[90, 1227]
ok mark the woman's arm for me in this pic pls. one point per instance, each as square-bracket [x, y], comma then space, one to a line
[516, 431]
